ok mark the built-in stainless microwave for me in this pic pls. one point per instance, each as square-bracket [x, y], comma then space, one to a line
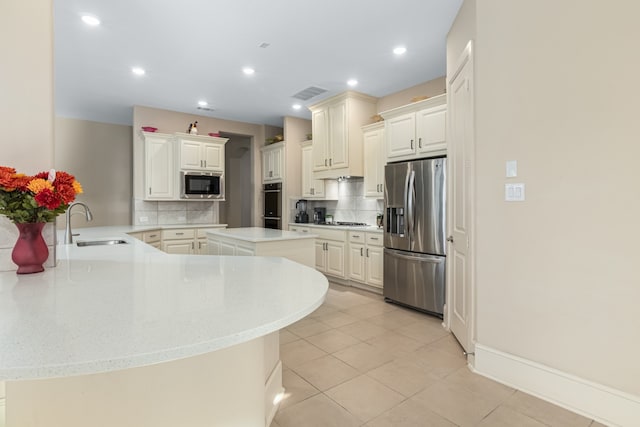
[201, 185]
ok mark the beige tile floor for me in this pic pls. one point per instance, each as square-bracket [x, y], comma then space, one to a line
[358, 361]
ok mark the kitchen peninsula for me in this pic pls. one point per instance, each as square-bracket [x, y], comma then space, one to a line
[263, 242]
[127, 335]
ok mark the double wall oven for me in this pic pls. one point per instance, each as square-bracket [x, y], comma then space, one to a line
[272, 205]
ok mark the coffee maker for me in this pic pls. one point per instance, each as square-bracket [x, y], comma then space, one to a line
[302, 216]
[319, 215]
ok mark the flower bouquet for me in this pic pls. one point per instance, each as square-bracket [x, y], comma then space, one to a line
[30, 202]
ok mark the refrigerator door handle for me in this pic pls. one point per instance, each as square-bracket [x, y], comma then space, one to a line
[411, 196]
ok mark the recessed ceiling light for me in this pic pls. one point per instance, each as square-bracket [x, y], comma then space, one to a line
[203, 103]
[138, 71]
[399, 50]
[90, 20]
[296, 106]
[248, 71]
[352, 82]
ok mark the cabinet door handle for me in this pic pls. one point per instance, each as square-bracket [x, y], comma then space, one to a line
[360, 251]
[312, 190]
[149, 190]
[193, 246]
[199, 245]
[325, 162]
[412, 144]
[330, 162]
[419, 142]
[205, 163]
[367, 252]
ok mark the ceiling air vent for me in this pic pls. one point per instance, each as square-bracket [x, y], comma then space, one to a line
[309, 93]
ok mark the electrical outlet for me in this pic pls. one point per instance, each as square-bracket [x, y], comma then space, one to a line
[143, 219]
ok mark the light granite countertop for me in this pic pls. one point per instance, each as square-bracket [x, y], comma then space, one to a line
[257, 234]
[105, 308]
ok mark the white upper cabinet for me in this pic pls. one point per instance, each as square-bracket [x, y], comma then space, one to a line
[374, 160]
[273, 162]
[337, 134]
[311, 188]
[159, 177]
[416, 130]
[200, 153]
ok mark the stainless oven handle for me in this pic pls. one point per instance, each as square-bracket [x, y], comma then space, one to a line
[272, 217]
[272, 191]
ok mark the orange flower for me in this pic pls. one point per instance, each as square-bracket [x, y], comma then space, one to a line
[77, 187]
[38, 184]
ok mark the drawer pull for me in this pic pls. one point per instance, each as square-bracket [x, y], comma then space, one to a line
[373, 238]
[179, 234]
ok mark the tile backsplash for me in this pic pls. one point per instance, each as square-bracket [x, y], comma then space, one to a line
[174, 212]
[351, 205]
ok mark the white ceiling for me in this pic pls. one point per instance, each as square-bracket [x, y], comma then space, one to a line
[195, 50]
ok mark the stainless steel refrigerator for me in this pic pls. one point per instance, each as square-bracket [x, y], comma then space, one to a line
[414, 234]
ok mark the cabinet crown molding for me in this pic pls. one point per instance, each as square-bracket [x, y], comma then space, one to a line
[434, 101]
[350, 94]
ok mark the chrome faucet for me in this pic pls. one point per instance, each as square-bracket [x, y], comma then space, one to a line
[68, 236]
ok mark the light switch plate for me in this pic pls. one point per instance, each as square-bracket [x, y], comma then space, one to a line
[514, 192]
[512, 168]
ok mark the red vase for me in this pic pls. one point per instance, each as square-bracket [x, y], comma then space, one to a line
[30, 251]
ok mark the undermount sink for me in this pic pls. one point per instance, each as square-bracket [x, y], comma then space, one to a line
[101, 242]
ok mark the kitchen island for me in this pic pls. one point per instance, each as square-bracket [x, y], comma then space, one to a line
[256, 241]
[128, 335]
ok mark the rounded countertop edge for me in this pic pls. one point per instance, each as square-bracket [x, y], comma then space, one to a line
[147, 359]
[136, 253]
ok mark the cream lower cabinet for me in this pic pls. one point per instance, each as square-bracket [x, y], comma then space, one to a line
[190, 241]
[178, 241]
[331, 251]
[366, 258]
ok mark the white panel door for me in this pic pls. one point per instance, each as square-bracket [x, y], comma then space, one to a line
[213, 156]
[461, 146]
[338, 133]
[373, 163]
[160, 171]
[319, 123]
[375, 263]
[190, 155]
[335, 259]
[356, 262]
[400, 134]
[321, 255]
[431, 129]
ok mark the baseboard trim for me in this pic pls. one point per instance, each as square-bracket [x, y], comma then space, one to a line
[604, 404]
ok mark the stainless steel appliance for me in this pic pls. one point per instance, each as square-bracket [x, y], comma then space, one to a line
[302, 216]
[318, 215]
[273, 205]
[201, 185]
[414, 234]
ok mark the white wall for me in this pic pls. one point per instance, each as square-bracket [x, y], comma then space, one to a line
[557, 275]
[26, 101]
